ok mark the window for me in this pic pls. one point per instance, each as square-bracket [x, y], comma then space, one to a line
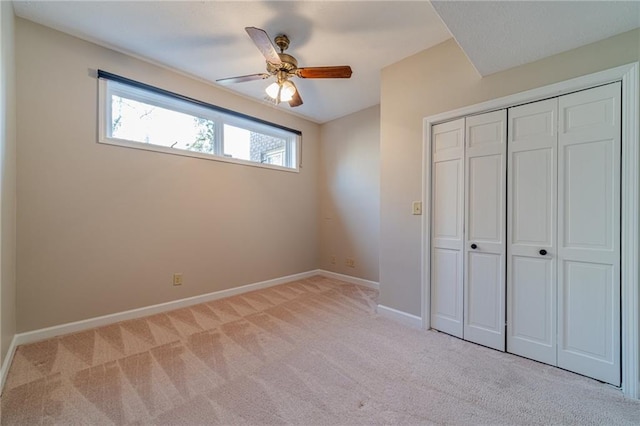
[139, 116]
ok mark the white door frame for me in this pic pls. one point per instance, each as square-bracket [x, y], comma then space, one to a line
[630, 210]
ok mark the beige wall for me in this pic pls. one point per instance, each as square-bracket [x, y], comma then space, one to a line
[101, 228]
[7, 180]
[350, 193]
[437, 80]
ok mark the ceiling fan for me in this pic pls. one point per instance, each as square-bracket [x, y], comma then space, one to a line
[283, 66]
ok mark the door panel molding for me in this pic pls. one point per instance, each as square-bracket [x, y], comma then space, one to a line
[532, 212]
[589, 232]
[485, 229]
[446, 257]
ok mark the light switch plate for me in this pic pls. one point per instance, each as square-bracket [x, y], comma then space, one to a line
[417, 207]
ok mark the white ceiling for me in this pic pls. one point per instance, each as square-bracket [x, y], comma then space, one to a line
[207, 39]
[497, 35]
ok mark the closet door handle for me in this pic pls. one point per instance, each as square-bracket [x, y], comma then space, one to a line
[543, 252]
[474, 246]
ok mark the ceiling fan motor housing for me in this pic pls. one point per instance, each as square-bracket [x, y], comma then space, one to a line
[288, 64]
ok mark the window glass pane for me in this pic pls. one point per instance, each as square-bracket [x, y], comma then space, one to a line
[254, 146]
[141, 122]
[205, 136]
[236, 142]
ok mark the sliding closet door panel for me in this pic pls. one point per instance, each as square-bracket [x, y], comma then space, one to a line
[484, 307]
[531, 231]
[447, 209]
[447, 227]
[589, 233]
[588, 188]
[483, 321]
[486, 185]
[533, 172]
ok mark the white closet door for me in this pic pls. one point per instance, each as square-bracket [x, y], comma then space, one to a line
[531, 231]
[589, 233]
[484, 266]
[446, 227]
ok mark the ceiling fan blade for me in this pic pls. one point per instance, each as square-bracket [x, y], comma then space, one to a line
[263, 43]
[297, 99]
[243, 78]
[343, 71]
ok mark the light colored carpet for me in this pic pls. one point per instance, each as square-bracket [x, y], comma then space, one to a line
[306, 353]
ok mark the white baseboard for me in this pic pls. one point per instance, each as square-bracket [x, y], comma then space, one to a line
[402, 317]
[348, 279]
[4, 370]
[74, 327]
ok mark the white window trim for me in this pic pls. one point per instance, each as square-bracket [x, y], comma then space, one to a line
[108, 87]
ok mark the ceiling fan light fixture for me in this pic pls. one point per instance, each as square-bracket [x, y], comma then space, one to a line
[281, 92]
[287, 91]
[273, 90]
